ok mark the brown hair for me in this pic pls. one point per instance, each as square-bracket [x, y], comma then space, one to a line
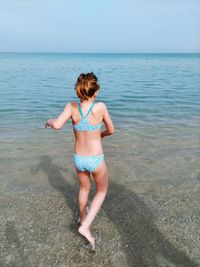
[86, 85]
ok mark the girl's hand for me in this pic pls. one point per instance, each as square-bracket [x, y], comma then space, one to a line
[47, 123]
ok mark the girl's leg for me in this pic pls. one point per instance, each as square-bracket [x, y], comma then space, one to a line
[84, 182]
[100, 176]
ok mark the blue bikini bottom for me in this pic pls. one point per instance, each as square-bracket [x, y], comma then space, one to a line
[87, 163]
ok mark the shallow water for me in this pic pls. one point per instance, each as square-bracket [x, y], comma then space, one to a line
[151, 214]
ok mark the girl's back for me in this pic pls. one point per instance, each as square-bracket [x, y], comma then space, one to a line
[88, 142]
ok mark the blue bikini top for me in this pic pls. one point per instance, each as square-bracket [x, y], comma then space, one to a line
[84, 124]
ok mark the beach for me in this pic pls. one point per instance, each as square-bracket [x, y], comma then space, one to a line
[150, 216]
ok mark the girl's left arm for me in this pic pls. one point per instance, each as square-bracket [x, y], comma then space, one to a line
[60, 121]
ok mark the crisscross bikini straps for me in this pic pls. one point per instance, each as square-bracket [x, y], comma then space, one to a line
[80, 110]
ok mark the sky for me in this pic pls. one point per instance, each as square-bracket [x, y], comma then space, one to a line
[125, 26]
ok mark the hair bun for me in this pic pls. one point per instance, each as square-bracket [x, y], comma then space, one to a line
[86, 85]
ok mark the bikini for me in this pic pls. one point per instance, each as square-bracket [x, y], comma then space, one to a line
[86, 163]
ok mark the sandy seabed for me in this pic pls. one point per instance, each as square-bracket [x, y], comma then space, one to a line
[150, 216]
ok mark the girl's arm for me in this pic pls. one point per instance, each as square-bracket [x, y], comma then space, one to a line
[59, 122]
[108, 123]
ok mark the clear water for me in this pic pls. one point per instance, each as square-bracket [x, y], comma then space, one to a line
[139, 89]
[154, 101]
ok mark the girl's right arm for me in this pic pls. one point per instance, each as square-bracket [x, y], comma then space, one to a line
[59, 122]
[108, 123]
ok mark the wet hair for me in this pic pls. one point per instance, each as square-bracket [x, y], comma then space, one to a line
[86, 85]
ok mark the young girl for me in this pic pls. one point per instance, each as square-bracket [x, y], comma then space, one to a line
[87, 118]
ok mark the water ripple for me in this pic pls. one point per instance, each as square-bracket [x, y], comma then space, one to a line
[145, 87]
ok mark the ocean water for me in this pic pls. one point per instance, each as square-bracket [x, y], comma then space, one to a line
[154, 101]
[139, 89]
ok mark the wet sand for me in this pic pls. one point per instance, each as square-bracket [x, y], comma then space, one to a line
[150, 216]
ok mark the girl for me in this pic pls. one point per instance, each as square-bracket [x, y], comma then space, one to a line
[87, 119]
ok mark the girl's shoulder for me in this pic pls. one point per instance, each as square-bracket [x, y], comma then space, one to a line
[73, 104]
[101, 105]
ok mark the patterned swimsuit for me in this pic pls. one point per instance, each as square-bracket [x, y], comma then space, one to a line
[86, 163]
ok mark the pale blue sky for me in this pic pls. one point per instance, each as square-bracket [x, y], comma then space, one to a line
[100, 25]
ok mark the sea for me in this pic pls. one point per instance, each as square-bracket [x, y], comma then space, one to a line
[154, 102]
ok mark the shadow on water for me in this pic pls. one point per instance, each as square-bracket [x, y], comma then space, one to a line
[134, 220]
[142, 242]
[57, 181]
[13, 246]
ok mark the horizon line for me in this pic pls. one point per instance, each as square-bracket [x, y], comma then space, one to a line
[65, 52]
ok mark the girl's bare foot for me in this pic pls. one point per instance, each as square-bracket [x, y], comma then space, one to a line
[87, 234]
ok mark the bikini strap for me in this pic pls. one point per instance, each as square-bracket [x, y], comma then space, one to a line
[90, 109]
[79, 108]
